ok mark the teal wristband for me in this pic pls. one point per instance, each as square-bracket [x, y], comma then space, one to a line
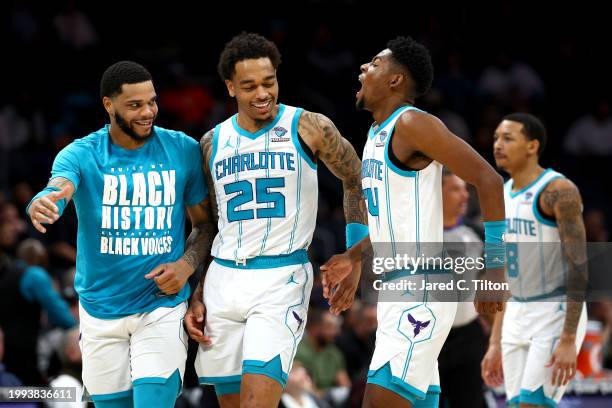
[495, 247]
[355, 232]
[61, 204]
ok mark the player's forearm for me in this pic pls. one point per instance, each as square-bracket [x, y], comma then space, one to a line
[576, 260]
[490, 190]
[198, 244]
[496, 330]
[354, 204]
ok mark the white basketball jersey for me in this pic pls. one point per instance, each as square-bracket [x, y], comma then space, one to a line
[266, 188]
[404, 207]
[535, 265]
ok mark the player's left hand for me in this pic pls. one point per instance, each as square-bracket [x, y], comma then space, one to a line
[344, 295]
[171, 277]
[563, 362]
[334, 271]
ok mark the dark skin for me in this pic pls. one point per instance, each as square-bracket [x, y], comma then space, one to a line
[518, 155]
[255, 88]
[136, 105]
[418, 139]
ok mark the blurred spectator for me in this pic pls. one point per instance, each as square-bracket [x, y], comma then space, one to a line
[25, 291]
[510, 82]
[6, 378]
[595, 226]
[318, 354]
[74, 28]
[592, 133]
[70, 374]
[465, 345]
[357, 341]
[299, 392]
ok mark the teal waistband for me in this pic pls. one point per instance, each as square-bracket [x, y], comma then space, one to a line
[402, 273]
[267, 262]
[560, 291]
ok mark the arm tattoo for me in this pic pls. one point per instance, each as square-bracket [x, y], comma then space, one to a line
[206, 150]
[201, 238]
[567, 207]
[341, 159]
[203, 235]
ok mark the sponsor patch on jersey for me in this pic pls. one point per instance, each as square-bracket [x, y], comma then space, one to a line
[382, 138]
[279, 131]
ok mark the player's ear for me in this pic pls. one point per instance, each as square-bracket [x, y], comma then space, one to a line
[230, 88]
[533, 146]
[397, 80]
[108, 105]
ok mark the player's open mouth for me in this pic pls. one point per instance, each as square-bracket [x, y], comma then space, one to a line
[262, 107]
[499, 156]
[358, 94]
[144, 123]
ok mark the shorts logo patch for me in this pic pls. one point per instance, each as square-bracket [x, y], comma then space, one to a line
[417, 324]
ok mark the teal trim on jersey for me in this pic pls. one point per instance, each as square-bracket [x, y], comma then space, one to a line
[294, 349]
[432, 399]
[400, 172]
[296, 142]
[215, 146]
[298, 205]
[269, 223]
[111, 396]
[389, 223]
[384, 378]
[522, 190]
[227, 388]
[396, 112]
[245, 133]
[536, 198]
[239, 222]
[513, 402]
[267, 262]
[152, 391]
[220, 380]
[272, 369]
[560, 291]
[401, 273]
[536, 397]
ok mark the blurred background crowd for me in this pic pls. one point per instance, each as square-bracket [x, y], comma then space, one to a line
[489, 61]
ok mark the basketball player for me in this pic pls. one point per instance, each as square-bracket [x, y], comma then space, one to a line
[131, 183]
[261, 168]
[537, 339]
[401, 177]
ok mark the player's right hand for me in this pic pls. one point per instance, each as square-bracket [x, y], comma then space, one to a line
[195, 321]
[491, 366]
[44, 210]
[334, 271]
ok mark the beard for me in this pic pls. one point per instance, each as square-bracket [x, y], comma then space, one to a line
[123, 125]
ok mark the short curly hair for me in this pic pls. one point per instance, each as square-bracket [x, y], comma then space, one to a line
[533, 128]
[246, 46]
[416, 59]
[122, 72]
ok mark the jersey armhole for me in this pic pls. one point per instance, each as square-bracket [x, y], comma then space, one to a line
[545, 219]
[213, 152]
[301, 147]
